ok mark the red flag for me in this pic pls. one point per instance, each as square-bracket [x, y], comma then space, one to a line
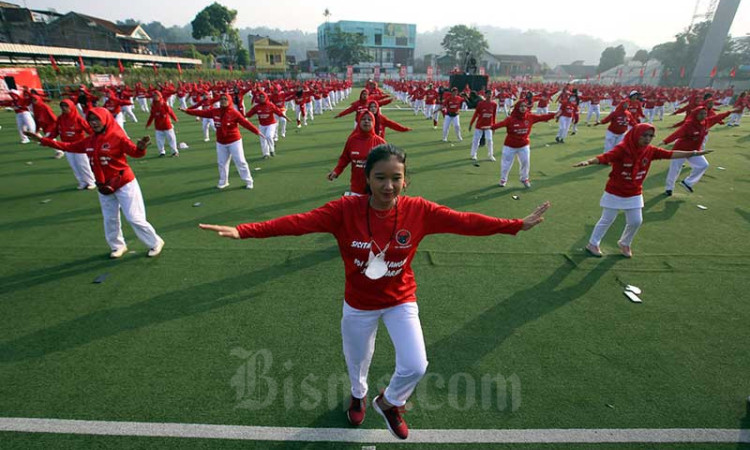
[81, 67]
[120, 66]
[619, 73]
[713, 72]
[733, 72]
[179, 69]
[54, 63]
[682, 72]
[653, 74]
[231, 69]
[641, 73]
[156, 70]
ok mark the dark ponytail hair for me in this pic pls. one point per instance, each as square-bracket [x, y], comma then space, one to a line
[383, 152]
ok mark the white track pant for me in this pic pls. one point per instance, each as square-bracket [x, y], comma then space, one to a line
[593, 110]
[734, 119]
[562, 130]
[358, 330]
[237, 154]
[79, 162]
[207, 124]
[169, 137]
[487, 140]
[698, 164]
[542, 110]
[143, 103]
[281, 128]
[128, 111]
[25, 122]
[509, 155]
[649, 112]
[120, 120]
[130, 200]
[611, 139]
[659, 111]
[267, 146]
[633, 221]
[301, 117]
[456, 126]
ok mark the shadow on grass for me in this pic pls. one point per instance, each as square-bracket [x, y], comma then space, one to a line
[52, 274]
[669, 210]
[165, 307]
[744, 214]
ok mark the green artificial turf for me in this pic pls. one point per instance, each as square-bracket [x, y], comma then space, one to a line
[185, 337]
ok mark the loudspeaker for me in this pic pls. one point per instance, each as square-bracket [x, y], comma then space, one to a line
[10, 82]
[475, 82]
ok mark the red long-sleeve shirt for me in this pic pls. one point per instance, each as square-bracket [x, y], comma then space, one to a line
[161, 112]
[355, 152]
[70, 127]
[519, 129]
[691, 134]
[619, 120]
[622, 182]
[484, 114]
[226, 121]
[265, 112]
[347, 220]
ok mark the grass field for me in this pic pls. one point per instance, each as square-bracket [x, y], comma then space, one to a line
[215, 331]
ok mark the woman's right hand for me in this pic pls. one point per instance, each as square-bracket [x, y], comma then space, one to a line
[332, 175]
[36, 137]
[221, 230]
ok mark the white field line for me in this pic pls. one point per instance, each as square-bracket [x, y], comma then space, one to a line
[541, 436]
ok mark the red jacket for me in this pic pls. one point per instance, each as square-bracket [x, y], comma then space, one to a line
[519, 125]
[692, 133]
[226, 121]
[161, 112]
[349, 218]
[70, 127]
[484, 114]
[265, 112]
[43, 116]
[619, 120]
[630, 163]
[356, 149]
[106, 151]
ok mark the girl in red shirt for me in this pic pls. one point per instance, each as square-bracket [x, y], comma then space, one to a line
[357, 147]
[71, 127]
[161, 113]
[382, 121]
[107, 149]
[378, 235]
[630, 161]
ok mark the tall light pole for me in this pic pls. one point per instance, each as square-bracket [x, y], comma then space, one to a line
[714, 43]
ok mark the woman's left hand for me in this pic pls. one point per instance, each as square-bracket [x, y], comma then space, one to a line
[143, 143]
[536, 217]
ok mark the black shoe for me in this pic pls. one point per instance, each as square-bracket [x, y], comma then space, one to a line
[686, 186]
[562, 141]
[162, 155]
[273, 154]
[557, 139]
[668, 192]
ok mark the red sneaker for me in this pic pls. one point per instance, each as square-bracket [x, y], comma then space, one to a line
[393, 419]
[356, 411]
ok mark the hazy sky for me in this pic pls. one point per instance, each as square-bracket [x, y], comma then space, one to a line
[645, 22]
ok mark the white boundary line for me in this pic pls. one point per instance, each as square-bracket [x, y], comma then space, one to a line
[186, 430]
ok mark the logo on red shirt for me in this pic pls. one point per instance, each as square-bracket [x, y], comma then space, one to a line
[403, 237]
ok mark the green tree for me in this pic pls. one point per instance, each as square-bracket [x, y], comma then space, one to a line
[243, 58]
[461, 41]
[347, 49]
[641, 56]
[215, 22]
[611, 57]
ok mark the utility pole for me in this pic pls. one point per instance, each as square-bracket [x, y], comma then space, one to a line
[714, 43]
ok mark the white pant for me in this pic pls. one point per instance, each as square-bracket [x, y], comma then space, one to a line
[562, 130]
[183, 102]
[300, 117]
[430, 110]
[207, 123]
[25, 122]
[130, 200]
[267, 146]
[633, 221]
[169, 137]
[79, 162]
[281, 128]
[456, 126]
[659, 111]
[237, 154]
[143, 103]
[418, 106]
[593, 110]
[698, 164]
[487, 140]
[734, 118]
[611, 139]
[542, 110]
[120, 120]
[128, 111]
[358, 330]
[509, 155]
[649, 112]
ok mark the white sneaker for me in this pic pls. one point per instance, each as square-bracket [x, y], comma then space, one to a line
[491, 158]
[222, 186]
[206, 139]
[474, 158]
[118, 253]
[502, 183]
[249, 185]
[526, 183]
[82, 186]
[91, 187]
[156, 250]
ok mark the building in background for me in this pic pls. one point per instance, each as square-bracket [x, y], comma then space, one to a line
[510, 65]
[267, 55]
[391, 45]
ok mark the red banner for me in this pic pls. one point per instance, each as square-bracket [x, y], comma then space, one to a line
[54, 63]
[733, 72]
[24, 77]
[156, 70]
[682, 72]
[349, 73]
[179, 69]
[120, 66]
[430, 71]
[376, 73]
[713, 72]
[402, 71]
[81, 66]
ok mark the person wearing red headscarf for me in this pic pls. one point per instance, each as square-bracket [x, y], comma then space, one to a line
[357, 147]
[71, 127]
[382, 121]
[620, 120]
[691, 136]
[228, 139]
[107, 149]
[24, 119]
[451, 109]
[630, 161]
[267, 113]
[160, 115]
[517, 144]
